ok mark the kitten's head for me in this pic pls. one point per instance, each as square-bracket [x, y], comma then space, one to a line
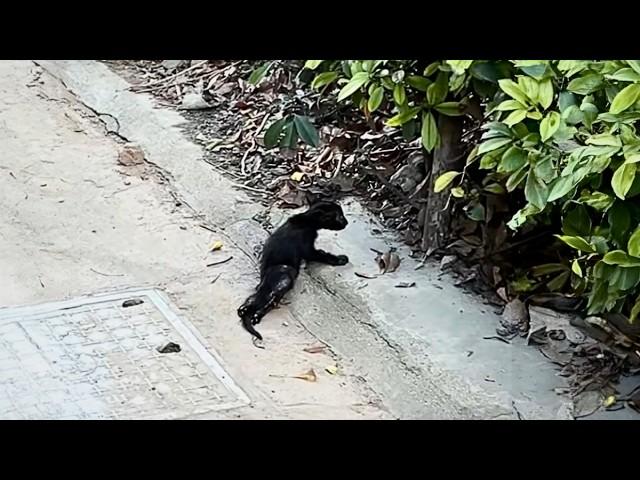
[328, 215]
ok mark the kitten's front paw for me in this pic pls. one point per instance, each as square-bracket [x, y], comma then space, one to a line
[342, 260]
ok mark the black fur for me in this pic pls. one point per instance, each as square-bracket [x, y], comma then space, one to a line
[282, 255]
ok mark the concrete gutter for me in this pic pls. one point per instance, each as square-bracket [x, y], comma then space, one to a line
[421, 349]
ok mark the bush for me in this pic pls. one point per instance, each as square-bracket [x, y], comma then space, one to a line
[559, 138]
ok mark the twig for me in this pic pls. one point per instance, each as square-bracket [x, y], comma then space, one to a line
[215, 279]
[170, 77]
[206, 227]
[107, 274]
[220, 262]
[252, 189]
[495, 337]
[253, 146]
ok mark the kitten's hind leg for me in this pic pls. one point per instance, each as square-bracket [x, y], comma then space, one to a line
[277, 281]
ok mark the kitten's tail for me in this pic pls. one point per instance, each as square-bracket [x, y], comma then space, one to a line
[248, 326]
[246, 314]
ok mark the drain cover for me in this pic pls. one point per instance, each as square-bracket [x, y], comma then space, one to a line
[93, 358]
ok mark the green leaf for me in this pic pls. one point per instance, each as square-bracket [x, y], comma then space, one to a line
[573, 115]
[545, 93]
[625, 75]
[399, 95]
[513, 159]
[403, 117]
[565, 100]
[323, 79]
[597, 200]
[508, 105]
[633, 247]
[619, 257]
[586, 84]
[476, 212]
[259, 73]
[558, 282]
[375, 100]
[493, 144]
[516, 179]
[577, 243]
[431, 69]
[515, 117]
[575, 268]
[625, 98]
[549, 125]
[563, 185]
[521, 216]
[495, 188]
[619, 218]
[459, 66]
[418, 82]
[530, 88]
[548, 268]
[635, 64]
[272, 135]
[306, 130]
[312, 64]
[437, 91]
[577, 222]
[444, 180]
[513, 90]
[623, 179]
[605, 140]
[451, 109]
[290, 138]
[430, 134]
[356, 82]
[535, 191]
[635, 310]
[457, 192]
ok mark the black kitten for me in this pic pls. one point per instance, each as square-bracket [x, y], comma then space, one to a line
[282, 255]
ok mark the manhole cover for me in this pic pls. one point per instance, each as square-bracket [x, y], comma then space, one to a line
[92, 358]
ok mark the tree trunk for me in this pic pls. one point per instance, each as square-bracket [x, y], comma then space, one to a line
[446, 157]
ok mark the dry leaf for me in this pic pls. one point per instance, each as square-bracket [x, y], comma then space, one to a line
[364, 275]
[332, 369]
[217, 245]
[315, 349]
[541, 319]
[406, 285]
[610, 400]
[297, 176]
[309, 376]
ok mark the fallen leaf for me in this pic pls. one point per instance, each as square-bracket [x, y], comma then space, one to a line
[217, 245]
[169, 348]
[447, 260]
[297, 176]
[406, 285]
[332, 369]
[502, 293]
[315, 349]
[194, 101]
[586, 404]
[364, 275]
[610, 400]
[541, 319]
[309, 376]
